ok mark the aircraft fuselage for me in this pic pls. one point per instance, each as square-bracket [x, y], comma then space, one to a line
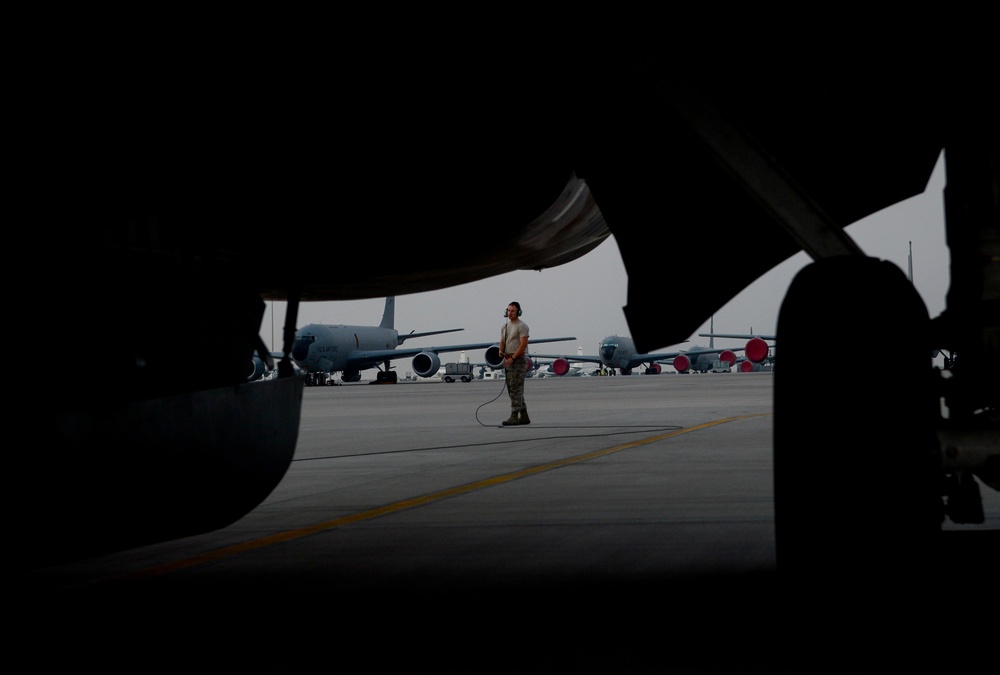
[326, 348]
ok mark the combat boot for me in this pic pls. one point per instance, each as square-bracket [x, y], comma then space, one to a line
[513, 419]
[523, 417]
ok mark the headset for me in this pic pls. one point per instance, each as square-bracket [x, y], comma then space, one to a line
[516, 304]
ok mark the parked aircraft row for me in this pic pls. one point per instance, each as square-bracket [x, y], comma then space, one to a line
[321, 350]
[619, 352]
[756, 353]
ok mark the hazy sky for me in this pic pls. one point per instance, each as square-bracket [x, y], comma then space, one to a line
[584, 298]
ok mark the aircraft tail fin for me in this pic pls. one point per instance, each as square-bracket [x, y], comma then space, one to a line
[389, 313]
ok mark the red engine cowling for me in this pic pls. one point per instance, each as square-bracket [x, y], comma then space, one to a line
[682, 363]
[729, 356]
[756, 350]
[747, 367]
[560, 366]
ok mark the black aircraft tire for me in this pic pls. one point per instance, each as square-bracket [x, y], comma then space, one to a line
[856, 463]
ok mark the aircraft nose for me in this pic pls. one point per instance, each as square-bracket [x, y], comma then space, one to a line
[300, 348]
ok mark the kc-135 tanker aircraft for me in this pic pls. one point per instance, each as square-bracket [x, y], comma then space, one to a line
[619, 352]
[324, 349]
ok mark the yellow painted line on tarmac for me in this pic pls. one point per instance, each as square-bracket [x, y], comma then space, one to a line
[282, 537]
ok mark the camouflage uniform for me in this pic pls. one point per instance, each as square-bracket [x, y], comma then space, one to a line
[515, 383]
[511, 339]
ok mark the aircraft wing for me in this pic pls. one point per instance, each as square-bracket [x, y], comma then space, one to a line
[798, 165]
[700, 350]
[360, 358]
[738, 336]
[664, 356]
[637, 359]
[586, 358]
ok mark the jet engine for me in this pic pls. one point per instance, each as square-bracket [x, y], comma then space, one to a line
[682, 363]
[756, 350]
[257, 369]
[493, 359]
[653, 369]
[560, 366]
[426, 364]
[748, 367]
[729, 356]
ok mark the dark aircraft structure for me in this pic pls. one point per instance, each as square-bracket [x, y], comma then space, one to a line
[154, 182]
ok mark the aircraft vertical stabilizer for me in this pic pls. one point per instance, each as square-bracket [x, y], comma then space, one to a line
[389, 313]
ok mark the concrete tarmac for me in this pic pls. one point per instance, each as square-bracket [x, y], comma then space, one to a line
[628, 528]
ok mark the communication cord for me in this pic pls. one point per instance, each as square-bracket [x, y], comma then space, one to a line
[502, 389]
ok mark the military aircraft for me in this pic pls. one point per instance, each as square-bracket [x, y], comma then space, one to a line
[565, 368]
[700, 359]
[756, 351]
[154, 183]
[619, 352]
[260, 367]
[320, 350]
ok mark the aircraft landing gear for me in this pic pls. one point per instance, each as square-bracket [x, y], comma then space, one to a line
[385, 377]
[857, 468]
